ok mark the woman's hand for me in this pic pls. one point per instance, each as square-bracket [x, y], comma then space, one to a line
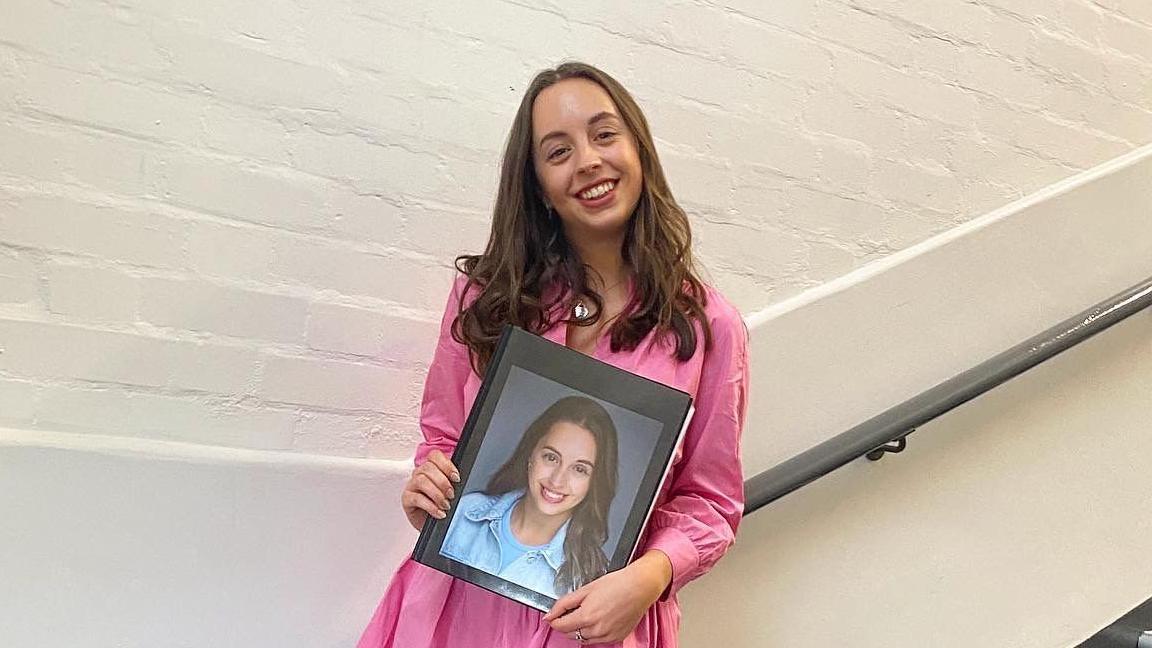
[609, 608]
[429, 489]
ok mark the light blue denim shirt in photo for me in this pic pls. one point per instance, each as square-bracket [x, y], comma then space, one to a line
[474, 539]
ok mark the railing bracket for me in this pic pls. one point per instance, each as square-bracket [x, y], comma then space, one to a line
[894, 447]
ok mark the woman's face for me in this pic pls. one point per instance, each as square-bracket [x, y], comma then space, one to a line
[560, 469]
[586, 160]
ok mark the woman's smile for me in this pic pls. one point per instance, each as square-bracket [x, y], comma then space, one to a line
[597, 194]
[551, 496]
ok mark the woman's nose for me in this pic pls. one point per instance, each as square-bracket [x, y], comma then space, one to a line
[589, 159]
[558, 477]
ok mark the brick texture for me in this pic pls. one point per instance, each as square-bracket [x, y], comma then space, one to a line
[234, 225]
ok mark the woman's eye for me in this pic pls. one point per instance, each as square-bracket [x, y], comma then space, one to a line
[605, 135]
[556, 153]
[550, 458]
[582, 469]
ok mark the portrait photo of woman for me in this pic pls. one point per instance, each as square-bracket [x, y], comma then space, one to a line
[542, 519]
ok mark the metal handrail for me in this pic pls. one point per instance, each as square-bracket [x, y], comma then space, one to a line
[886, 432]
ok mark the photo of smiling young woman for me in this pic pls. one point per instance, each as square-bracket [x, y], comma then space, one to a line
[542, 520]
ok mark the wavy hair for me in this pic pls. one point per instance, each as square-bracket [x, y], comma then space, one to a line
[527, 254]
[584, 559]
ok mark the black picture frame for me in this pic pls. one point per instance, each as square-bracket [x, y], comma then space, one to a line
[650, 420]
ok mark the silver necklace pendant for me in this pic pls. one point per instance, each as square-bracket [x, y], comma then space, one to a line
[580, 311]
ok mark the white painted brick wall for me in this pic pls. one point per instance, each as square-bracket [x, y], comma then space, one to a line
[233, 223]
[195, 306]
[18, 278]
[84, 293]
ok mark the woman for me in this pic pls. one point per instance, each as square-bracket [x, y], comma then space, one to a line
[543, 519]
[588, 248]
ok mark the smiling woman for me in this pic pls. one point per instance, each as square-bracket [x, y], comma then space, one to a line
[589, 170]
[588, 248]
[584, 218]
[550, 499]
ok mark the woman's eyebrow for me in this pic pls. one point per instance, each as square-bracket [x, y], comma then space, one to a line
[584, 461]
[601, 116]
[598, 117]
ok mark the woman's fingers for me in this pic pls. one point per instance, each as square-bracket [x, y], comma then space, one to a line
[426, 486]
[561, 614]
[586, 635]
[430, 488]
[570, 623]
[439, 460]
[417, 500]
[430, 476]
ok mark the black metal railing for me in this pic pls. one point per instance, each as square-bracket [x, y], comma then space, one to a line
[1133, 630]
[886, 432]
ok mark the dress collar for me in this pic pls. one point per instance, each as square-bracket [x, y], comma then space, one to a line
[496, 506]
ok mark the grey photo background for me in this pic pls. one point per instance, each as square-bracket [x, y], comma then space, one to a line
[525, 396]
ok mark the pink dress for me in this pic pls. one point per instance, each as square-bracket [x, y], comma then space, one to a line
[693, 523]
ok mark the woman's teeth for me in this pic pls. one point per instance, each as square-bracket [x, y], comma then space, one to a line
[551, 496]
[598, 190]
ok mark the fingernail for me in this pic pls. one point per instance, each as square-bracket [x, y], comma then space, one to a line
[456, 477]
[440, 515]
[451, 493]
[445, 505]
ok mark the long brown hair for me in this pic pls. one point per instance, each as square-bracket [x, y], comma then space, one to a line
[527, 253]
[584, 559]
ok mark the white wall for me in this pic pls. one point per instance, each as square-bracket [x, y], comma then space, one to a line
[230, 223]
[932, 311]
[1020, 520]
[113, 543]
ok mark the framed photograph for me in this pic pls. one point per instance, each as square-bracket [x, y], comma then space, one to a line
[560, 460]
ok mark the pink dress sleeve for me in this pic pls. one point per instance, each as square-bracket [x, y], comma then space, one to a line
[697, 523]
[442, 412]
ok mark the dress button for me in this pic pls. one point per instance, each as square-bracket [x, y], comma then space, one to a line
[531, 558]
